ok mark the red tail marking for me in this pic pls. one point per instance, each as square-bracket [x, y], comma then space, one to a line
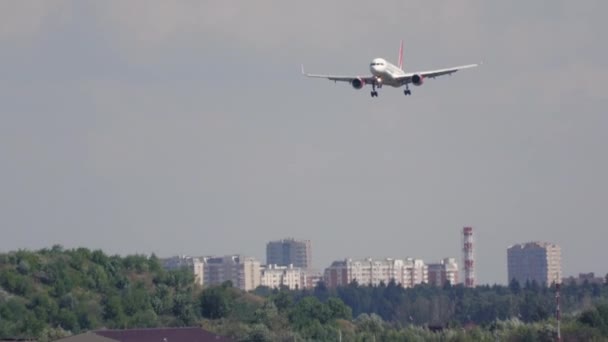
[401, 56]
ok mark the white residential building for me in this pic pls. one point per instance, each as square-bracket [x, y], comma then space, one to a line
[243, 272]
[407, 272]
[274, 276]
[417, 272]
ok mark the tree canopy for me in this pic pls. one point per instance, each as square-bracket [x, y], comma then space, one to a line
[55, 292]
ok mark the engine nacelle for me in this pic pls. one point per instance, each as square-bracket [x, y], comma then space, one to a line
[417, 80]
[357, 83]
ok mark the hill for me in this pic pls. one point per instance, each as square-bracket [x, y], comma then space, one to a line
[57, 291]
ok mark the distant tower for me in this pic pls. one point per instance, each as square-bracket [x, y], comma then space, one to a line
[469, 258]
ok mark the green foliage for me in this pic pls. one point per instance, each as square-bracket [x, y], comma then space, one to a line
[371, 324]
[339, 310]
[283, 301]
[597, 318]
[51, 293]
[216, 303]
[309, 311]
[55, 292]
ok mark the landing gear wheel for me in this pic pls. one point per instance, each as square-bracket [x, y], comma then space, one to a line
[374, 93]
[407, 92]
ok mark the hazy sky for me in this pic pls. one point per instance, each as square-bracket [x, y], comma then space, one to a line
[185, 127]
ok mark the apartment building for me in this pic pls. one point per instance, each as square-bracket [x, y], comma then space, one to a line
[191, 263]
[535, 261]
[275, 276]
[243, 272]
[407, 272]
[445, 271]
[289, 252]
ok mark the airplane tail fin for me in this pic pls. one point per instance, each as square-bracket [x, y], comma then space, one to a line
[401, 55]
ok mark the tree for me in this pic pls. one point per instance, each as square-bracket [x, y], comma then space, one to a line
[68, 320]
[113, 311]
[514, 286]
[321, 291]
[369, 323]
[184, 309]
[215, 303]
[23, 267]
[596, 317]
[283, 301]
[338, 309]
[154, 264]
[310, 310]
[144, 319]
[260, 333]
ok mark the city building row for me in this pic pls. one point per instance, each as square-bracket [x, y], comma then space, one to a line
[407, 272]
[289, 264]
[248, 273]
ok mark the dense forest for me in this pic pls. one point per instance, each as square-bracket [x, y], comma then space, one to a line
[54, 292]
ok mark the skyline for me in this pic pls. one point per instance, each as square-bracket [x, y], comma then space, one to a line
[169, 128]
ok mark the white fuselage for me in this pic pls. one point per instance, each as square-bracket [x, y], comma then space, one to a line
[385, 72]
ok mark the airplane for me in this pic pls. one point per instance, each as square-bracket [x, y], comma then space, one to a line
[385, 73]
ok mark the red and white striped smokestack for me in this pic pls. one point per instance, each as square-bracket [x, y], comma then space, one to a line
[468, 256]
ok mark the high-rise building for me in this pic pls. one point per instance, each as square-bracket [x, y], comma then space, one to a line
[274, 276]
[243, 272]
[289, 252]
[535, 261]
[446, 271]
[407, 272]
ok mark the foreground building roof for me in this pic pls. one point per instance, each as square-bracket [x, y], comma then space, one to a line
[148, 335]
[86, 337]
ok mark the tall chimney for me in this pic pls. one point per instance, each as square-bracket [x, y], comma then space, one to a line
[469, 258]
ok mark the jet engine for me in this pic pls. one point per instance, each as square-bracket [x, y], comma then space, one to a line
[417, 80]
[357, 83]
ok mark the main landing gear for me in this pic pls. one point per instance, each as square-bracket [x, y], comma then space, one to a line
[407, 90]
[374, 93]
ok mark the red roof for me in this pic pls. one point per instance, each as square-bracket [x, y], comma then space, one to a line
[163, 335]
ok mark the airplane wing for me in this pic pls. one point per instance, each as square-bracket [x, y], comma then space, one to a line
[337, 78]
[407, 78]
